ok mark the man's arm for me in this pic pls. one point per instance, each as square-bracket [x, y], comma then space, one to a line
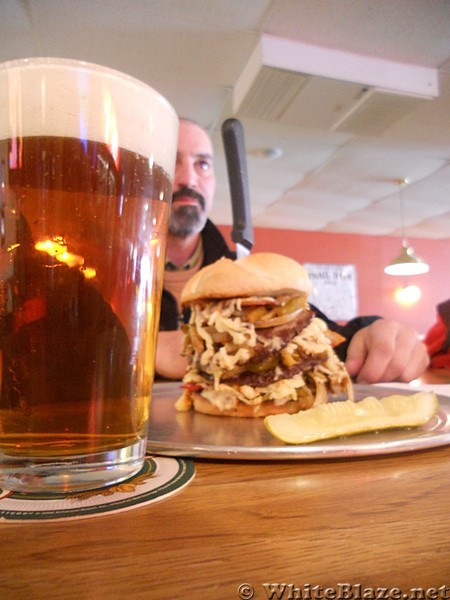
[378, 349]
[170, 364]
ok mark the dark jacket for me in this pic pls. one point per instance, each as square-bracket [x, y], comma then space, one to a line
[348, 330]
[215, 247]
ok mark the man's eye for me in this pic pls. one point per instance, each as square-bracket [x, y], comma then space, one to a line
[204, 165]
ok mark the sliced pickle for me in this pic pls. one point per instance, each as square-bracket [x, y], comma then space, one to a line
[347, 418]
[270, 314]
[293, 304]
[266, 365]
[275, 321]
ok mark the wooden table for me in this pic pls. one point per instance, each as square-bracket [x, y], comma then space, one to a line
[380, 522]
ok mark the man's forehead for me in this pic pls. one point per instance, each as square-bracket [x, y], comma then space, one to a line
[194, 141]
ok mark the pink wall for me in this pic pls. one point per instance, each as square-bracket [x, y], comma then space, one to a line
[369, 254]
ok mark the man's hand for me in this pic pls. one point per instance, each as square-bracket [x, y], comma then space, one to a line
[386, 351]
[169, 362]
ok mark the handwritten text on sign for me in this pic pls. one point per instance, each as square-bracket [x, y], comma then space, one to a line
[334, 290]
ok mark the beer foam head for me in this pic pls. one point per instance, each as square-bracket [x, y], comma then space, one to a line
[68, 98]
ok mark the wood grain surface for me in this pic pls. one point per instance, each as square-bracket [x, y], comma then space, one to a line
[378, 522]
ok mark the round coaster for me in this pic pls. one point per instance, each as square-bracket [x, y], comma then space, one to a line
[159, 478]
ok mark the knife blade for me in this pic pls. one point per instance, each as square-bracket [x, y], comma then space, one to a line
[235, 154]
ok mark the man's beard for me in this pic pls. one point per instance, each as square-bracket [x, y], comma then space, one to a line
[186, 220]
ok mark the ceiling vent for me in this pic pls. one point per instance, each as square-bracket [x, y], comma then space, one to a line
[271, 93]
[292, 83]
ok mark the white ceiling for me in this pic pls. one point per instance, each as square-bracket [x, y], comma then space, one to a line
[330, 177]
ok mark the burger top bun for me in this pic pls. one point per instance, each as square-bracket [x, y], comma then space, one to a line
[258, 274]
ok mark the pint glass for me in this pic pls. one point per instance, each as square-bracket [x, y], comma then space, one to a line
[87, 156]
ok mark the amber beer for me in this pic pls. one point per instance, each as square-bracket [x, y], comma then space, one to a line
[85, 197]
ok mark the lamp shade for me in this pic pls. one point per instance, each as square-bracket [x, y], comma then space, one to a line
[406, 263]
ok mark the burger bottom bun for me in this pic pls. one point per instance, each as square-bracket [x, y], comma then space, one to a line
[241, 409]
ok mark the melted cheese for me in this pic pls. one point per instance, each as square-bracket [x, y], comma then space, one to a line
[312, 339]
[232, 354]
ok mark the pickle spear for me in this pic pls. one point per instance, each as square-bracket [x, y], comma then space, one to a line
[344, 418]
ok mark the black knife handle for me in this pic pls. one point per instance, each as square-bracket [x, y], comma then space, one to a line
[235, 154]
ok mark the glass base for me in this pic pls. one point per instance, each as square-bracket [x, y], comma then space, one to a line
[59, 475]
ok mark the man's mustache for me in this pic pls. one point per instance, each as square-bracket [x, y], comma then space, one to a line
[191, 193]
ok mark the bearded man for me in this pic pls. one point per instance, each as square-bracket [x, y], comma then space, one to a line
[193, 240]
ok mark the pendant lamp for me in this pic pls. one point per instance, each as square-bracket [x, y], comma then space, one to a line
[406, 263]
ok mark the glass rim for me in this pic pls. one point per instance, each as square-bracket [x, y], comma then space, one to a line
[50, 61]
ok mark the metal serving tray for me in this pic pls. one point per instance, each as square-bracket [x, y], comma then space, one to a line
[191, 434]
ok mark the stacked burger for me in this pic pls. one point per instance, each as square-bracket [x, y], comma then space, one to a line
[253, 344]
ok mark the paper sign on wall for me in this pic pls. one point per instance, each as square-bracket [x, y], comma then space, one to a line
[334, 290]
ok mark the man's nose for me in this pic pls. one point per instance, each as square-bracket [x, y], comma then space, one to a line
[185, 175]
